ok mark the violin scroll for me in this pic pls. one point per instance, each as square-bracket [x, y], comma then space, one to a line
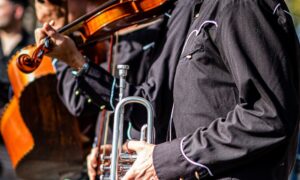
[27, 63]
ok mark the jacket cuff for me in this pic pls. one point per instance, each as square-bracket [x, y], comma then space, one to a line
[97, 83]
[166, 167]
[170, 162]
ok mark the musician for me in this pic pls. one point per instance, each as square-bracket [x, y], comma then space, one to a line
[235, 93]
[59, 12]
[12, 38]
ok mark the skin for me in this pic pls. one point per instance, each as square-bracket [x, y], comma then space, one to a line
[143, 167]
[92, 160]
[11, 15]
[7, 10]
[64, 48]
[58, 16]
[46, 11]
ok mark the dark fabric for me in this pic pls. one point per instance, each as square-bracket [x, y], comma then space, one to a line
[130, 49]
[4, 81]
[236, 93]
[158, 86]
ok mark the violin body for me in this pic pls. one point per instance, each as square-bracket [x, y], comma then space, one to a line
[120, 15]
[42, 138]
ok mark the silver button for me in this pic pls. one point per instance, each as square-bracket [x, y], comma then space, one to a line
[77, 92]
[189, 56]
[197, 15]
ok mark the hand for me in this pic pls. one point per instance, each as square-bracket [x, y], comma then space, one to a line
[143, 167]
[64, 48]
[92, 163]
[92, 160]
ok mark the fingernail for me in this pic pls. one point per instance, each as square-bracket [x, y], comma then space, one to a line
[52, 22]
[45, 24]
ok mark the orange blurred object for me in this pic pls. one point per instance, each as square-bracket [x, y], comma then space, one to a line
[20, 80]
[42, 138]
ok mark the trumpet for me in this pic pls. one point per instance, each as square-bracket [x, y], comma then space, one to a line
[121, 161]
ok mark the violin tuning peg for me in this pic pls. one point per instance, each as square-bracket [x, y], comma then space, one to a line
[48, 44]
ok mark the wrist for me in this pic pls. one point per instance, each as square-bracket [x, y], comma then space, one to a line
[81, 67]
[78, 61]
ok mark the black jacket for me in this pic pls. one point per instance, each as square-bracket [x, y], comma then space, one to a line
[158, 85]
[235, 92]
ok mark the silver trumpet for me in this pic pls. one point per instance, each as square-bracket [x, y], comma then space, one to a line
[120, 161]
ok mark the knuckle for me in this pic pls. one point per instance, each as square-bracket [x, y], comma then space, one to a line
[37, 31]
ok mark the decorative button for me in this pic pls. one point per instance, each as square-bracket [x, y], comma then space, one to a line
[189, 56]
[197, 15]
[77, 92]
[89, 100]
[102, 107]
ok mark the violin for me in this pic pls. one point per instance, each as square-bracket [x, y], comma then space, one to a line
[99, 24]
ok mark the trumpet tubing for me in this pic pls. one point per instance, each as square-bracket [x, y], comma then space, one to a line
[116, 133]
[121, 162]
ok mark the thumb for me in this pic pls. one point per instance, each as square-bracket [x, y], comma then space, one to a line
[130, 174]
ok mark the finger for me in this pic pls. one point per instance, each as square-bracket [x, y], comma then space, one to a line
[52, 23]
[90, 162]
[51, 32]
[105, 149]
[39, 34]
[126, 149]
[136, 146]
[92, 177]
[91, 173]
[130, 174]
[94, 162]
[91, 170]
[93, 157]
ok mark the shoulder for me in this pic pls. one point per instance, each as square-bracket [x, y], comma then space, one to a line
[268, 6]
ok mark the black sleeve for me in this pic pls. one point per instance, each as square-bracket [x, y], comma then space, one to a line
[262, 53]
[67, 87]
